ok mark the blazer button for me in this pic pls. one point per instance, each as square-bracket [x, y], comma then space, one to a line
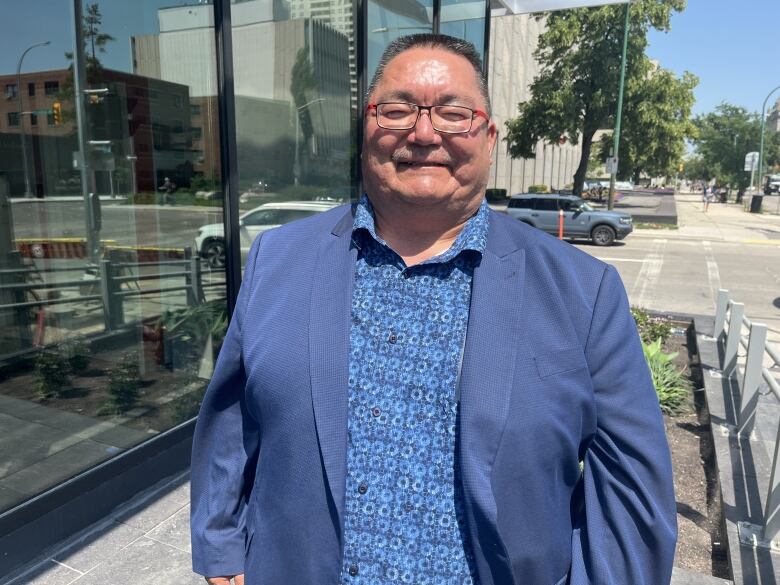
[353, 570]
[363, 488]
[392, 338]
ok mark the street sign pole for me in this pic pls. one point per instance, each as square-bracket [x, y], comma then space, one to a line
[763, 122]
[618, 117]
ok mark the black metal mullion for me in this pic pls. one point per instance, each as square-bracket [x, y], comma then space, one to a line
[228, 149]
[361, 64]
[436, 16]
[486, 48]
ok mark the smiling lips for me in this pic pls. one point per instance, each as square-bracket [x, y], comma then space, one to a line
[421, 163]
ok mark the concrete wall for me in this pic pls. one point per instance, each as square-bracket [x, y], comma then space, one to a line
[512, 68]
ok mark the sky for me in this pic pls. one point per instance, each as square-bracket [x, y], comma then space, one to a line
[732, 47]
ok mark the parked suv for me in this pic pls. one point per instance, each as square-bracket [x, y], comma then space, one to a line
[580, 220]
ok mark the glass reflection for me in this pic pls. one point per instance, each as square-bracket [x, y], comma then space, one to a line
[109, 166]
[296, 106]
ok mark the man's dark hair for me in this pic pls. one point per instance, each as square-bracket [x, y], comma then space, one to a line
[427, 40]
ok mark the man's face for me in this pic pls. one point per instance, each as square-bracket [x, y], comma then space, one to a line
[421, 166]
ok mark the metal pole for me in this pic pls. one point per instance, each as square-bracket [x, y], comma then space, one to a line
[761, 147]
[618, 118]
[27, 190]
[79, 84]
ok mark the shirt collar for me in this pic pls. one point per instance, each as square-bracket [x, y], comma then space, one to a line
[472, 237]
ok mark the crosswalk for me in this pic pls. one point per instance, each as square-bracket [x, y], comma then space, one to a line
[683, 275]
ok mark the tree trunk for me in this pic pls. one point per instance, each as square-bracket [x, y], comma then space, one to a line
[582, 169]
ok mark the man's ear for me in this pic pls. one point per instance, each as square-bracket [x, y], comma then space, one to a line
[492, 136]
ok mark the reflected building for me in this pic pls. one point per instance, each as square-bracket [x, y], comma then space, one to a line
[142, 123]
[275, 117]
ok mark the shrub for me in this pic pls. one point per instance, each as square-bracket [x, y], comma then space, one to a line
[496, 195]
[76, 351]
[671, 385]
[52, 375]
[538, 189]
[651, 328]
[123, 384]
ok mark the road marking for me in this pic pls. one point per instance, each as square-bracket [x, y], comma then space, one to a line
[649, 274]
[621, 259]
[764, 242]
[713, 274]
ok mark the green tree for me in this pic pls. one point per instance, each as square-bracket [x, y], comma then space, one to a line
[93, 42]
[656, 123]
[725, 137]
[302, 87]
[575, 92]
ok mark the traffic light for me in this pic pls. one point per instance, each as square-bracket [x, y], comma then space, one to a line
[57, 111]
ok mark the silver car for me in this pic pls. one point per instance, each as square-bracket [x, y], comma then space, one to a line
[580, 219]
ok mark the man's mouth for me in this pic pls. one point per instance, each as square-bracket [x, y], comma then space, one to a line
[421, 163]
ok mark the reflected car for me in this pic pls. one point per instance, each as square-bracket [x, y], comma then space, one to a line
[210, 241]
[580, 219]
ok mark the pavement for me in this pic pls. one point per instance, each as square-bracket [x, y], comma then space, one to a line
[147, 539]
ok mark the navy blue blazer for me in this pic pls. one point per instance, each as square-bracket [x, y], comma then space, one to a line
[553, 374]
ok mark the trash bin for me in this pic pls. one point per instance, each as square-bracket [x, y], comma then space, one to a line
[724, 196]
[755, 203]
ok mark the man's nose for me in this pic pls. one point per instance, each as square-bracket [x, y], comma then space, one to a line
[423, 132]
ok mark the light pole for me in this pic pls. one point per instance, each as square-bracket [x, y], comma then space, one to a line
[27, 191]
[619, 116]
[297, 163]
[761, 147]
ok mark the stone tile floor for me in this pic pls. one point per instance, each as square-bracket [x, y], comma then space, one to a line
[148, 541]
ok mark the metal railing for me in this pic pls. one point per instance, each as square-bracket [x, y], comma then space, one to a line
[730, 322]
[107, 286]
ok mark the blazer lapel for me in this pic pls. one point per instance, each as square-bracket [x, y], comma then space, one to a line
[329, 354]
[492, 340]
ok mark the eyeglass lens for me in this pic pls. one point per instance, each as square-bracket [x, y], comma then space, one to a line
[403, 116]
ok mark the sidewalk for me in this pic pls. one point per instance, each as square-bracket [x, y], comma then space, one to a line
[723, 222]
[147, 541]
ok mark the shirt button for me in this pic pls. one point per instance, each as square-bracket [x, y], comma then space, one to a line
[353, 570]
[376, 411]
[363, 488]
[393, 338]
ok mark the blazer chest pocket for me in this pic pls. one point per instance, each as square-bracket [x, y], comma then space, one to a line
[559, 362]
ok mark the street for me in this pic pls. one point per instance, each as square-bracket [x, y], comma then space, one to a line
[680, 271]
[674, 271]
[142, 225]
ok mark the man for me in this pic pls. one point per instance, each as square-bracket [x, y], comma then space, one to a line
[416, 389]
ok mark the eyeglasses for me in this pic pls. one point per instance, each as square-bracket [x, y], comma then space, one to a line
[403, 116]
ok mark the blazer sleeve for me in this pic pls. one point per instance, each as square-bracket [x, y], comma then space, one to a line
[627, 529]
[224, 453]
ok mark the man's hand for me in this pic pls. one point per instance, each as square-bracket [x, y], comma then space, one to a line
[239, 580]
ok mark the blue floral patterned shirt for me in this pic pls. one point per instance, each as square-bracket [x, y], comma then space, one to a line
[404, 520]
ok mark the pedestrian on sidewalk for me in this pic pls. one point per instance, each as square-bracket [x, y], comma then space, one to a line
[706, 197]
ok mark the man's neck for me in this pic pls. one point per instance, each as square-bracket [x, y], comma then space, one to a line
[419, 234]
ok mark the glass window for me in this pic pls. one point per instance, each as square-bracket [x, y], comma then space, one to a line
[295, 100]
[116, 317]
[545, 204]
[11, 89]
[521, 203]
[33, 119]
[31, 89]
[390, 19]
[464, 19]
